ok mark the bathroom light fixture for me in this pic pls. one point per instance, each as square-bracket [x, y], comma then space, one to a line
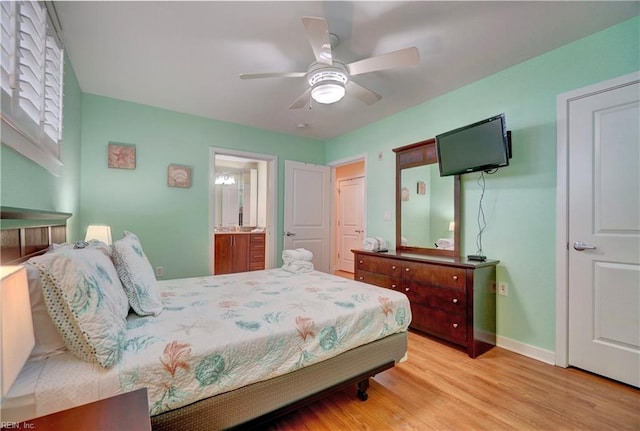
[225, 179]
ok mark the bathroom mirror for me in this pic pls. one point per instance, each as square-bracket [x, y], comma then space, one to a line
[239, 193]
[427, 205]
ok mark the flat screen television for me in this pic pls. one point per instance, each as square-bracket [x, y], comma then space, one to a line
[480, 146]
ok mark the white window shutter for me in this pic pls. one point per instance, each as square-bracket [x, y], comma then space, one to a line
[8, 45]
[32, 79]
[53, 84]
[31, 60]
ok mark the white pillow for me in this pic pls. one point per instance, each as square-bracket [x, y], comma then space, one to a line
[48, 340]
[136, 275]
[84, 297]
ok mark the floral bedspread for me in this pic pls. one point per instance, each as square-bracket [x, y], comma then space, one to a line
[216, 334]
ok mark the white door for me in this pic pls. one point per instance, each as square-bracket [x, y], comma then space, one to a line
[350, 223]
[604, 233]
[307, 210]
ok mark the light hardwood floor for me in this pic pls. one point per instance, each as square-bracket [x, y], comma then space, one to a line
[440, 388]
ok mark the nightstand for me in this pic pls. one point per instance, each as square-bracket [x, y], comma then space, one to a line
[124, 412]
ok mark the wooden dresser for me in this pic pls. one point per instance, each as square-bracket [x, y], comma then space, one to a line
[451, 298]
[239, 252]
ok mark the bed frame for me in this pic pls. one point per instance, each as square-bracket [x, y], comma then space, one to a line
[27, 233]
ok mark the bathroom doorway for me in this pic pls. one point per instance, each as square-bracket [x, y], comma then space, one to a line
[243, 197]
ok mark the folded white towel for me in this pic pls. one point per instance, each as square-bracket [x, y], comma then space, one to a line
[374, 243]
[298, 266]
[291, 255]
[445, 243]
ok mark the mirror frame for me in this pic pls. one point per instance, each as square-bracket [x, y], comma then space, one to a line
[420, 154]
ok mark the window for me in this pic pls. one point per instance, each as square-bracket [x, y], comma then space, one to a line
[32, 79]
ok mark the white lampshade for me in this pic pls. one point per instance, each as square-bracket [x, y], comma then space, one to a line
[99, 232]
[17, 326]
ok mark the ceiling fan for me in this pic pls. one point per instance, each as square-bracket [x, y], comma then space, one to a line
[329, 79]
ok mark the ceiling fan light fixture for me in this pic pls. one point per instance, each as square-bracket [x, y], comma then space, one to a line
[328, 92]
[327, 82]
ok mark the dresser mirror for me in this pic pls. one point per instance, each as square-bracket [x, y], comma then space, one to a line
[427, 205]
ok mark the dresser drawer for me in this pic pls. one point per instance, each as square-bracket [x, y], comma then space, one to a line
[453, 300]
[434, 274]
[376, 279]
[257, 256]
[450, 326]
[256, 240]
[380, 265]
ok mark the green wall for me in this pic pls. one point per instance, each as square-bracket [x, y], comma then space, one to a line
[519, 203]
[25, 184]
[172, 223]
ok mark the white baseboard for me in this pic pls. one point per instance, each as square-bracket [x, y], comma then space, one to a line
[532, 352]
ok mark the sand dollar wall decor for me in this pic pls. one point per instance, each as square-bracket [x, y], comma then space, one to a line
[179, 176]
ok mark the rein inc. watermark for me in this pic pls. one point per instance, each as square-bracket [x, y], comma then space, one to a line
[17, 425]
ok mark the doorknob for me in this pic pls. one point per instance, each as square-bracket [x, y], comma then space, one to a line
[290, 234]
[579, 245]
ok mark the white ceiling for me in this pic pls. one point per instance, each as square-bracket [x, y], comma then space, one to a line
[186, 56]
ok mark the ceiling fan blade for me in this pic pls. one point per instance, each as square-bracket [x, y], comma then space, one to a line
[367, 96]
[318, 35]
[402, 57]
[272, 75]
[302, 101]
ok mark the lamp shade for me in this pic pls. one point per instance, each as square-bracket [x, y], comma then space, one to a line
[99, 232]
[17, 326]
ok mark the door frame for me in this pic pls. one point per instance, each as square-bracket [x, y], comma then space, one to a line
[363, 157]
[272, 201]
[562, 207]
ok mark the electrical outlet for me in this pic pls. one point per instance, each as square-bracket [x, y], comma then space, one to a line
[503, 288]
[159, 271]
[380, 156]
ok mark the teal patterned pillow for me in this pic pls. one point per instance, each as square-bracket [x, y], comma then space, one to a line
[136, 275]
[85, 300]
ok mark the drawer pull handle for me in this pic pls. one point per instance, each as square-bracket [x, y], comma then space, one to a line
[393, 267]
[407, 269]
[360, 278]
[455, 325]
[362, 261]
[455, 300]
[455, 277]
[393, 286]
[406, 289]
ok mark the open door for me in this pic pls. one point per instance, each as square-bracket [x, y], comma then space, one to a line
[307, 210]
[350, 221]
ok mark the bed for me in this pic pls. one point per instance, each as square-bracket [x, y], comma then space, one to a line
[225, 351]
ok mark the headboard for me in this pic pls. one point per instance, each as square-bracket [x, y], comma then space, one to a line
[26, 233]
